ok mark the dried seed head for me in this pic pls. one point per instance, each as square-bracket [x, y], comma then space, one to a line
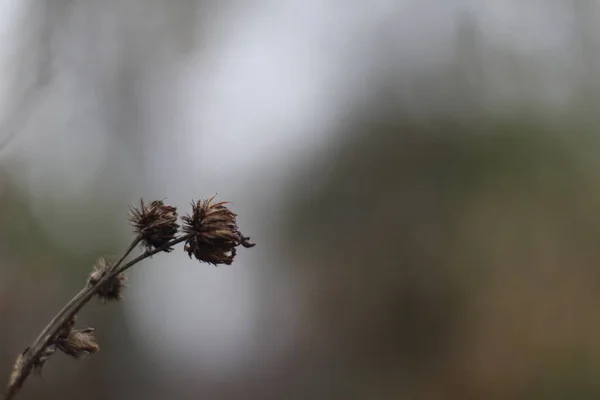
[112, 289]
[78, 343]
[215, 232]
[156, 223]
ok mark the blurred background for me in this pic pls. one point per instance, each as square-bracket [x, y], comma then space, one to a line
[421, 178]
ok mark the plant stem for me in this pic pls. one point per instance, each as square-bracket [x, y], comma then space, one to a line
[75, 303]
[117, 270]
[33, 352]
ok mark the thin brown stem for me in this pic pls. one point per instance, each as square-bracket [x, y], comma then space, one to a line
[74, 302]
[149, 253]
[28, 358]
[132, 246]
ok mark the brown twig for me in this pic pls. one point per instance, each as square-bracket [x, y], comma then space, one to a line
[25, 365]
[211, 235]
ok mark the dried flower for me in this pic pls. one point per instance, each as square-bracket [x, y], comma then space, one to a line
[211, 235]
[156, 223]
[215, 232]
[78, 343]
[111, 289]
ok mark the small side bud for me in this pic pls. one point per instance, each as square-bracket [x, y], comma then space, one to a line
[79, 343]
[112, 289]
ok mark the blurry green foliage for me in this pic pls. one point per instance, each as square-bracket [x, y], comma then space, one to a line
[412, 234]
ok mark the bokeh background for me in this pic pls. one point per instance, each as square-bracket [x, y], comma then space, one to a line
[422, 179]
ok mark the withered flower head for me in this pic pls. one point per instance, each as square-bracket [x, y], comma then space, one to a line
[215, 232]
[112, 289]
[78, 343]
[156, 223]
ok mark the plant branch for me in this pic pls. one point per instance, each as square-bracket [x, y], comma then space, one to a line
[212, 236]
[149, 253]
[32, 354]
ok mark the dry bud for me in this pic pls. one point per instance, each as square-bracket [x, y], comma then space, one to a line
[79, 343]
[215, 232]
[156, 223]
[111, 289]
